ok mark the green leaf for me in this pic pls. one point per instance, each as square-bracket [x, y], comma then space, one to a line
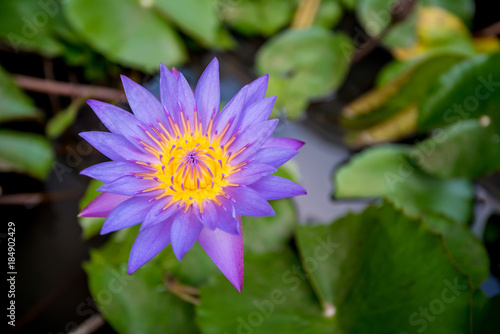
[364, 269]
[385, 273]
[408, 88]
[386, 171]
[137, 303]
[276, 298]
[90, 225]
[267, 234]
[198, 19]
[468, 149]
[28, 25]
[196, 267]
[257, 17]
[464, 9]
[289, 170]
[63, 120]
[467, 250]
[126, 32]
[485, 313]
[394, 69]
[303, 64]
[23, 152]
[14, 104]
[329, 14]
[467, 90]
[349, 4]
[430, 29]
[375, 16]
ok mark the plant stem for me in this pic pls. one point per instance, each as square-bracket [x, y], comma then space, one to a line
[305, 14]
[47, 86]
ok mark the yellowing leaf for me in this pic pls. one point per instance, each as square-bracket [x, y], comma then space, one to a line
[437, 28]
[487, 44]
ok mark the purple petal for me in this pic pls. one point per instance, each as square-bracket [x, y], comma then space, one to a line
[175, 73]
[102, 205]
[107, 113]
[209, 217]
[144, 105]
[129, 213]
[207, 93]
[248, 202]
[116, 147]
[186, 99]
[231, 112]
[274, 156]
[226, 251]
[148, 244]
[227, 218]
[185, 230]
[275, 187]
[131, 186]
[251, 173]
[168, 90]
[112, 170]
[252, 137]
[258, 112]
[157, 214]
[289, 143]
[103, 142]
[256, 90]
[120, 122]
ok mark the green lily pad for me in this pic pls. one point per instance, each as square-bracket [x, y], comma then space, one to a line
[29, 25]
[90, 225]
[467, 90]
[467, 250]
[126, 32]
[198, 19]
[24, 152]
[304, 64]
[386, 171]
[468, 149]
[387, 274]
[349, 4]
[63, 120]
[329, 14]
[258, 17]
[195, 269]
[14, 104]
[138, 303]
[364, 270]
[375, 16]
[485, 313]
[267, 234]
[276, 298]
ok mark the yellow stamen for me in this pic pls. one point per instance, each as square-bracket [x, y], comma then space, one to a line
[193, 167]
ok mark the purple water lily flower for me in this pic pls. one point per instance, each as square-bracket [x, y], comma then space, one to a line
[186, 171]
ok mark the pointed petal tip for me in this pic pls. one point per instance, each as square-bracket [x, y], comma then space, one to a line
[84, 213]
[214, 62]
[104, 230]
[124, 78]
[131, 268]
[238, 285]
[175, 72]
[91, 102]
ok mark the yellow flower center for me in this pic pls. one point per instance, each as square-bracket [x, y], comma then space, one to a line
[194, 165]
